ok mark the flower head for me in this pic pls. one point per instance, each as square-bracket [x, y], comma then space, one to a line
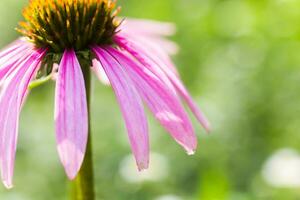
[133, 56]
[61, 24]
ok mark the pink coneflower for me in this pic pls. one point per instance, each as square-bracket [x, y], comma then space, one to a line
[131, 55]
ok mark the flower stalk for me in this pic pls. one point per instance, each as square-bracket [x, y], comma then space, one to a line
[82, 188]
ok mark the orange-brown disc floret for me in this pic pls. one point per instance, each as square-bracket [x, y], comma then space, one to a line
[61, 24]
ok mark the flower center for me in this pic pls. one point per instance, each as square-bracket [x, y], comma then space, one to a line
[61, 24]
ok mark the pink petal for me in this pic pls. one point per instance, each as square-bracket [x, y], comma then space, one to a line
[164, 45]
[161, 101]
[15, 45]
[153, 63]
[71, 115]
[150, 30]
[157, 50]
[150, 64]
[169, 46]
[131, 106]
[100, 73]
[13, 54]
[11, 100]
[147, 27]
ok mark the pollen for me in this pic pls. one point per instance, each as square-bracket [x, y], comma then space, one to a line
[77, 24]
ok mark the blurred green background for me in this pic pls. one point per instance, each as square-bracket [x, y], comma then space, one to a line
[241, 61]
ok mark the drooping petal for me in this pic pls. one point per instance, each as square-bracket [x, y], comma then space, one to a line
[157, 50]
[147, 27]
[150, 31]
[164, 104]
[12, 95]
[163, 45]
[14, 46]
[71, 115]
[155, 64]
[131, 106]
[99, 71]
[11, 55]
[147, 62]
[169, 46]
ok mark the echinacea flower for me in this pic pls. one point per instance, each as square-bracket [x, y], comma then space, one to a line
[133, 56]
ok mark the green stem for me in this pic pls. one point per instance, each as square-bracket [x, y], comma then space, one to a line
[39, 82]
[83, 185]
